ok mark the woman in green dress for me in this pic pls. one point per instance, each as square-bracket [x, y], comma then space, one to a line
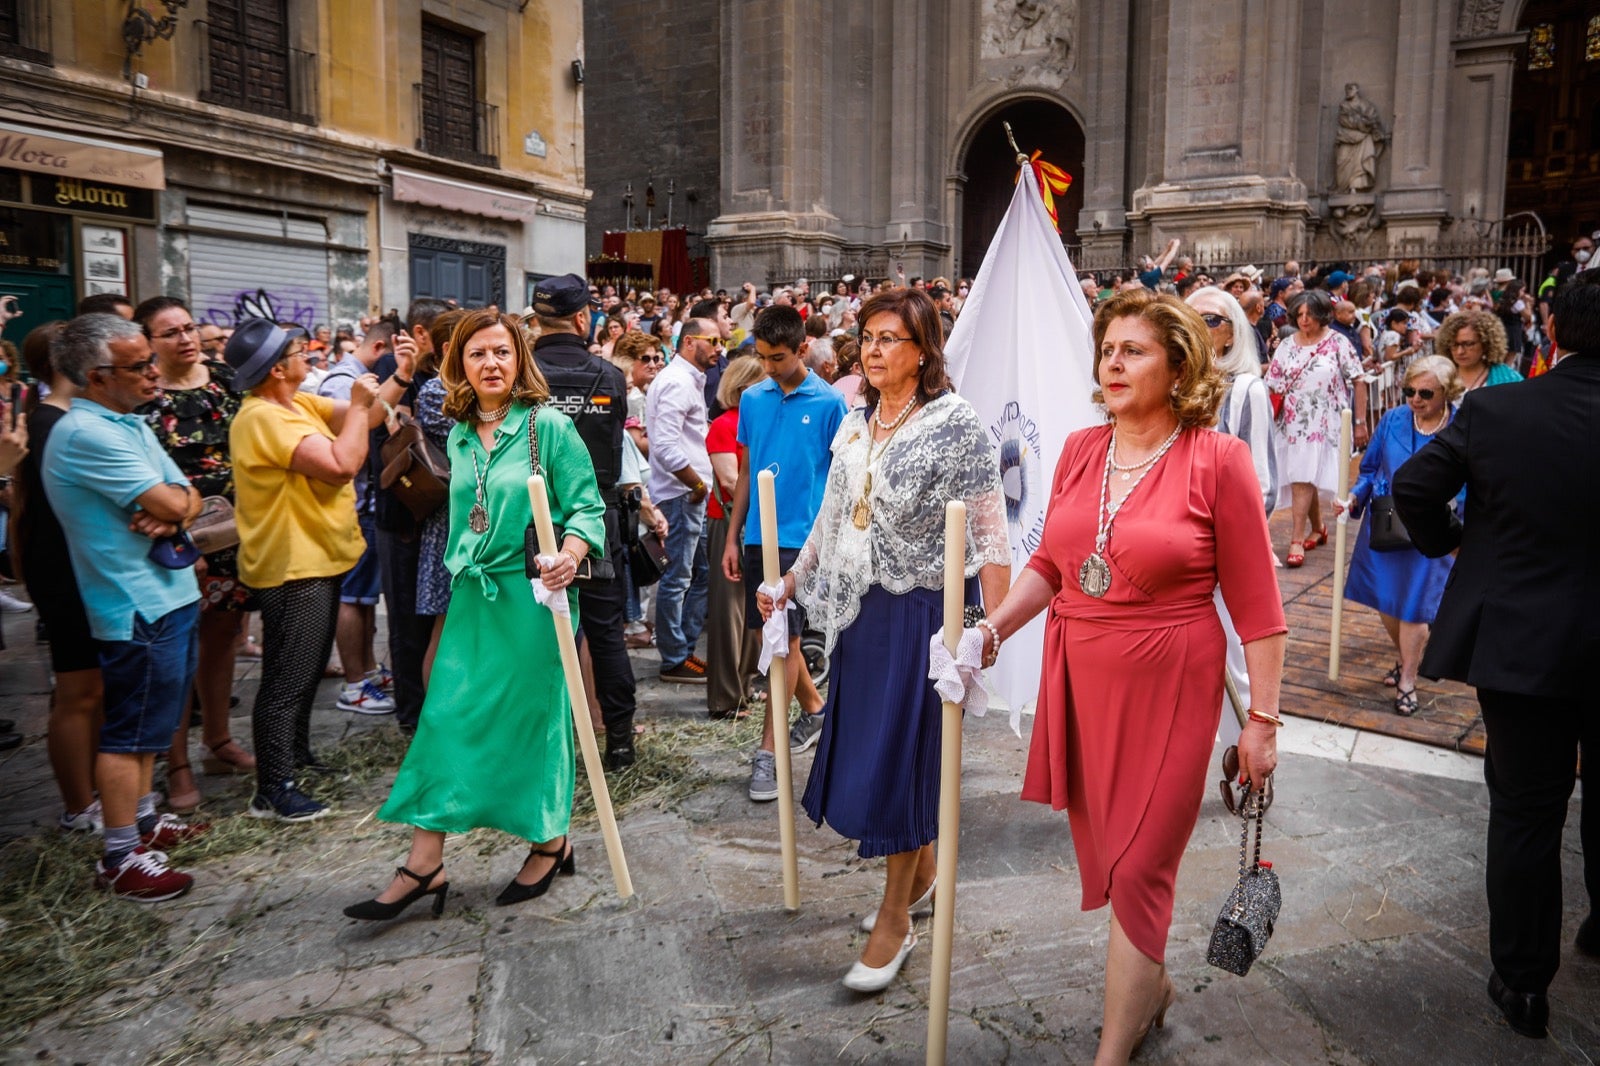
[494, 746]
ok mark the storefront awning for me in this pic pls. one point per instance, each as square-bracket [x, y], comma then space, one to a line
[68, 155]
[464, 196]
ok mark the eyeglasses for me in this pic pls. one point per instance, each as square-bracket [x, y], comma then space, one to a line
[1408, 392]
[175, 332]
[1466, 344]
[1215, 321]
[713, 341]
[882, 340]
[652, 359]
[141, 367]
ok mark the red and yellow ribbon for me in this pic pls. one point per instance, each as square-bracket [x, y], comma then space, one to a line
[1053, 182]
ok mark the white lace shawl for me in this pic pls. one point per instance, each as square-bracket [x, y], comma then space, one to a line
[940, 454]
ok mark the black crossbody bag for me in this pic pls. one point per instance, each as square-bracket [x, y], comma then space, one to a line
[591, 571]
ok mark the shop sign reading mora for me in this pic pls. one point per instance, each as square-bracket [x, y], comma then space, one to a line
[91, 197]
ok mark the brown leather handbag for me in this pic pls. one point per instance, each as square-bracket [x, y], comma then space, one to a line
[414, 470]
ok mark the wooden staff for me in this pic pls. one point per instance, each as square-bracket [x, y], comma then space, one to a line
[580, 703]
[1338, 546]
[1240, 711]
[944, 900]
[778, 695]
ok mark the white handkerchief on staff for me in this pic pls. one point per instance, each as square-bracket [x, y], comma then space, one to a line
[958, 678]
[775, 630]
[556, 600]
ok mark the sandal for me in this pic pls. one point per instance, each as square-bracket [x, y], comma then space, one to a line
[1318, 538]
[1405, 704]
[1295, 559]
[229, 757]
[180, 799]
[1392, 678]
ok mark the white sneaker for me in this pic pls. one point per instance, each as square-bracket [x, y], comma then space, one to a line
[13, 604]
[365, 697]
[87, 820]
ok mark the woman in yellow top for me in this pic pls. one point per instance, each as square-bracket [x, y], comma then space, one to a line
[294, 456]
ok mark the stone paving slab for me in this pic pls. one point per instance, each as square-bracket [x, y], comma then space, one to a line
[1379, 956]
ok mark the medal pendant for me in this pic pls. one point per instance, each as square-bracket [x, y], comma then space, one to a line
[478, 519]
[861, 514]
[1094, 576]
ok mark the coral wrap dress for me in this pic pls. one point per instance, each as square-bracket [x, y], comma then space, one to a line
[1132, 683]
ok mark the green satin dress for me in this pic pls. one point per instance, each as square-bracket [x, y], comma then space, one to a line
[494, 747]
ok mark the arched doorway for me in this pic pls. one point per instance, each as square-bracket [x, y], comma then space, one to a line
[1554, 136]
[991, 171]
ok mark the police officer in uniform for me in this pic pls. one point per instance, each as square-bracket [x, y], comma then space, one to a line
[594, 395]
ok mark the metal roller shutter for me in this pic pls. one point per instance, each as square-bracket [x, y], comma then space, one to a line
[254, 273]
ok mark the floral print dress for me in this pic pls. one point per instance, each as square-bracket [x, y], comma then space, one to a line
[192, 425]
[1314, 380]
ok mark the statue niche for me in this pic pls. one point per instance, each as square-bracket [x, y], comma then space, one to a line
[1359, 141]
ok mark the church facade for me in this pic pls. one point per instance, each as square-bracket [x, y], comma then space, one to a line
[875, 133]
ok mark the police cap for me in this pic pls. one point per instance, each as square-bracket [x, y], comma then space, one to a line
[561, 296]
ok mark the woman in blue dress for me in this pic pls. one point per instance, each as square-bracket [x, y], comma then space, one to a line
[1403, 586]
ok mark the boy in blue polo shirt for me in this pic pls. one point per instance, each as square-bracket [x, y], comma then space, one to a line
[786, 424]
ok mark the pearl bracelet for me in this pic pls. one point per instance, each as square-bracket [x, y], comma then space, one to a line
[984, 623]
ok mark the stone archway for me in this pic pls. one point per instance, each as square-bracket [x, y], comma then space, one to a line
[990, 168]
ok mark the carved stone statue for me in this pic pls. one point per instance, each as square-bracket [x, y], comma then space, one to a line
[1024, 27]
[1359, 142]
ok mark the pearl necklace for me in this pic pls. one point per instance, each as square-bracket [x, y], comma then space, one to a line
[1094, 576]
[496, 415]
[1416, 425]
[877, 416]
[1127, 471]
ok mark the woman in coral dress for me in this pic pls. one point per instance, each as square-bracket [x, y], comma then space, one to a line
[1147, 516]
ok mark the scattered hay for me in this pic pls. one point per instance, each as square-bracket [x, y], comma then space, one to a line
[65, 942]
[669, 767]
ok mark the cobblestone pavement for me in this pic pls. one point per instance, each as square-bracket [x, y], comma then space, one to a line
[1379, 955]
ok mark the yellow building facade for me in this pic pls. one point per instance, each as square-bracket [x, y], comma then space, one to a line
[312, 160]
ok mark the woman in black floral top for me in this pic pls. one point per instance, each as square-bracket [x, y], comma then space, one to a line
[190, 417]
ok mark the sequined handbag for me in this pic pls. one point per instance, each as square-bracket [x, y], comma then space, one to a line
[1245, 924]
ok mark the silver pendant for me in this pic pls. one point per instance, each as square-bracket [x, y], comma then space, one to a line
[1094, 576]
[478, 519]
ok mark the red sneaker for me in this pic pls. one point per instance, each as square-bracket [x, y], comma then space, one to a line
[170, 831]
[143, 877]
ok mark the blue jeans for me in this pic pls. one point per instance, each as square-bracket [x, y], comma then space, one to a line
[147, 681]
[681, 597]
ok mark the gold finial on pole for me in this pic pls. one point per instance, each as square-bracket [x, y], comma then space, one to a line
[1022, 159]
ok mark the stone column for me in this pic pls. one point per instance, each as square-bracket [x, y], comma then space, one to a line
[1103, 222]
[1479, 124]
[1414, 205]
[773, 221]
[1222, 148]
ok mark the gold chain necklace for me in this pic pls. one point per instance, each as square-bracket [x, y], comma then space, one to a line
[861, 514]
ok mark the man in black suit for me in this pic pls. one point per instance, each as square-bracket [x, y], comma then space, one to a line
[1520, 620]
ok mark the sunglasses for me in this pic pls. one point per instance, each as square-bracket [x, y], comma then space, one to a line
[1408, 392]
[1214, 321]
[1234, 800]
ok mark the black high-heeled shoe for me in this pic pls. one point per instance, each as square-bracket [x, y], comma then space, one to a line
[517, 892]
[372, 910]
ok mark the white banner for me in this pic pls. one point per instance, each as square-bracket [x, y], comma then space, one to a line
[1022, 352]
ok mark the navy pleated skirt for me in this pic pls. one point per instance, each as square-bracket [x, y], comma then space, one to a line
[875, 777]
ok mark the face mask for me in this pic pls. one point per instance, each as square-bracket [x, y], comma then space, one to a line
[1582, 255]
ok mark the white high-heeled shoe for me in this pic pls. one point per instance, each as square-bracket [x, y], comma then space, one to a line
[923, 905]
[864, 978]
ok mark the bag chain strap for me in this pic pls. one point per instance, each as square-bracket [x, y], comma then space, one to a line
[1252, 797]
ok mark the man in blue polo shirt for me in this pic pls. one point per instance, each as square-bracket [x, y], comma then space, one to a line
[786, 424]
[116, 491]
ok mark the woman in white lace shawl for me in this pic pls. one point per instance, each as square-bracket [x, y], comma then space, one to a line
[871, 576]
